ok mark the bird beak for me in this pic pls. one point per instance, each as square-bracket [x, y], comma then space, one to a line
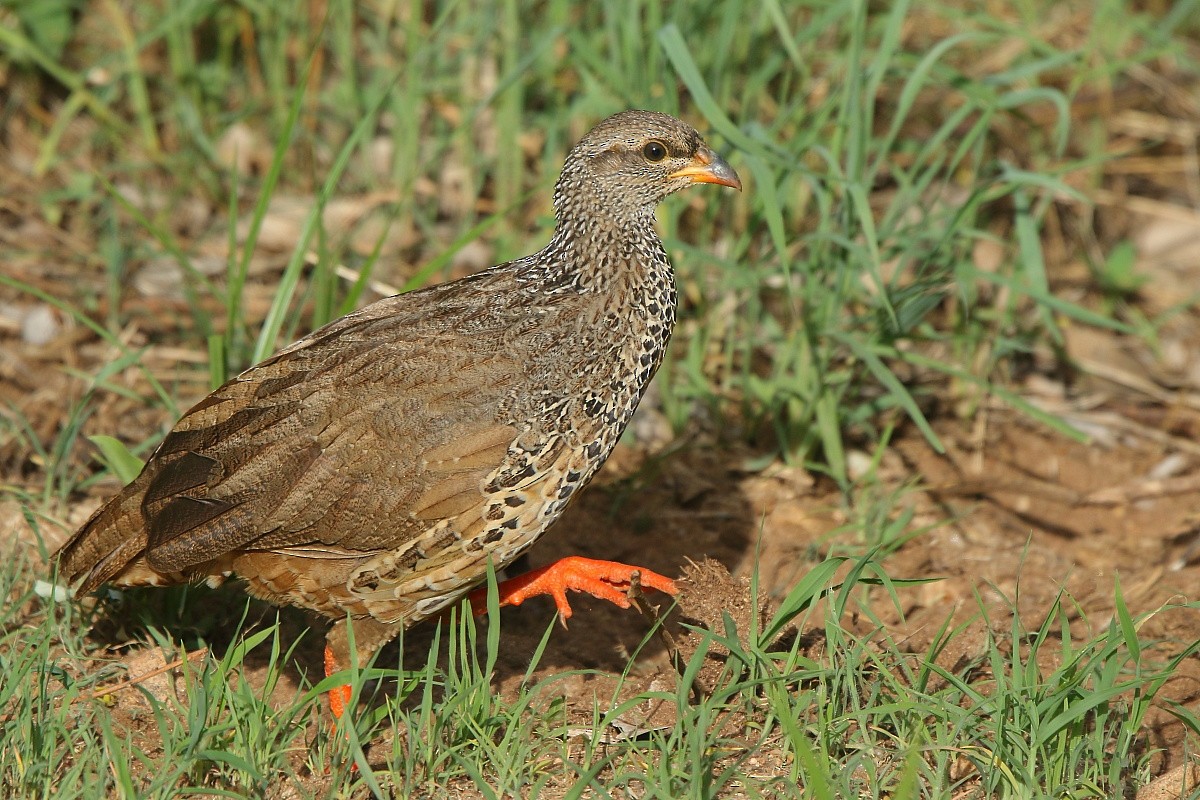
[708, 167]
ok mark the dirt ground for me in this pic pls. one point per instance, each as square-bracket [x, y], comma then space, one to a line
[1014, 511]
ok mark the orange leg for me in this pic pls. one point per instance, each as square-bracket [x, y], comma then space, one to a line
[339, 699]
[603, 579]
[339, 696]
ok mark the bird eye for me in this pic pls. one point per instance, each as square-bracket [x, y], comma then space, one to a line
[654, 151]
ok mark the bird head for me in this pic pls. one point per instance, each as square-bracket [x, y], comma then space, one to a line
[632, 160]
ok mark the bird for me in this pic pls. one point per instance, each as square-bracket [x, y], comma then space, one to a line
[372, 470]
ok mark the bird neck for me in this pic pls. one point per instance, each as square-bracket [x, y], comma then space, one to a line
[602, 241]
[598, 253]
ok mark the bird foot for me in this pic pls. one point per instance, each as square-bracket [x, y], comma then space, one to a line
[606, 580]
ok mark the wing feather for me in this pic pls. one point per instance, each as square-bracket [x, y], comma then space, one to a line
[360, 437]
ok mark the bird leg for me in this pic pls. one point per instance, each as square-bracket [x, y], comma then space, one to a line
[605, 580]
[369, 635]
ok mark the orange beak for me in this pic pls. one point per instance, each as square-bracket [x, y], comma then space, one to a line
[708, 167]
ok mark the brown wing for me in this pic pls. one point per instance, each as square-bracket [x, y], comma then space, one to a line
[359, 436]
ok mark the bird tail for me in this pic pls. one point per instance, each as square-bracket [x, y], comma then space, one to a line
[105, 546]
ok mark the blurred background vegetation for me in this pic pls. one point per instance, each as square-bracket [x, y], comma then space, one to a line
[257, 168]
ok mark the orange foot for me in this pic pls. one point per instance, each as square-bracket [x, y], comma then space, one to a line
[339, 696]
[603, 579]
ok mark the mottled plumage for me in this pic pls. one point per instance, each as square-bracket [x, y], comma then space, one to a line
[373, 467]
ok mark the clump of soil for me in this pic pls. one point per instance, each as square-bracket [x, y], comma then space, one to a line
[713, 600]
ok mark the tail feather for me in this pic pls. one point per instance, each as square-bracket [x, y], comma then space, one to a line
[112, 539]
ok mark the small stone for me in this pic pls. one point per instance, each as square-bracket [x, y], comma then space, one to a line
[40, 325]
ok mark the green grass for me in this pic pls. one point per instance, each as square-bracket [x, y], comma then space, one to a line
[865, 719]
[817, 304]
[835, 300]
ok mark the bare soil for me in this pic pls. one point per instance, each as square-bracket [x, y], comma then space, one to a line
[1016, 515]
